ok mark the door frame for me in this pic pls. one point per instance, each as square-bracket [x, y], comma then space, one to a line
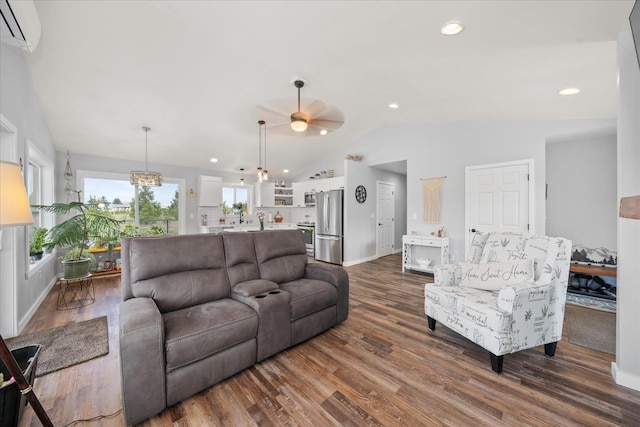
[532, 185]
[393, 205]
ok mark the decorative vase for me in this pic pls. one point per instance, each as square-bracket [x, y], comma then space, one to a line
[261, 225]
[278, 218]
[75, 269]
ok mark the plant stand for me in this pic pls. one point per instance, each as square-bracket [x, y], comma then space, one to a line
[74, 293]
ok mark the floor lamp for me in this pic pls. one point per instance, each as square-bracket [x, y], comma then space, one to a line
[15, 211]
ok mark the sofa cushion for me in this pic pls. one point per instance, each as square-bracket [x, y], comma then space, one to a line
[240, 257]
[281, 255]
[474, 305]
[193, 333]
[495, 276]
[176, 282]
[309, 296]
[505, 247]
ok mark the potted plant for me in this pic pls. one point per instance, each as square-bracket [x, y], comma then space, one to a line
[86, 222]
[37, 242]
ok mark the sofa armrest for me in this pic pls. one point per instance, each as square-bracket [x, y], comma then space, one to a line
[142, 359]
[447, 275]
[529, 305]
[338, 277]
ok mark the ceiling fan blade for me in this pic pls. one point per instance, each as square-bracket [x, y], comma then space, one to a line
[272, 111]
[313, 109]
[330, 113]
[329, 125]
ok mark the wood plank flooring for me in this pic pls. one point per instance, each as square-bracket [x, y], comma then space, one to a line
[382, 367]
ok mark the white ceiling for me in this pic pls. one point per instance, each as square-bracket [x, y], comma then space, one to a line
[194, 71]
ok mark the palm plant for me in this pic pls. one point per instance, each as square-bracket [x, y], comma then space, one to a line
[75, 232]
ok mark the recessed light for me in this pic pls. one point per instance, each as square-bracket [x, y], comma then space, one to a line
[213, 160]
[451, 28]
[569, 91]
[285, 171]
[323, 132]
[393, 105]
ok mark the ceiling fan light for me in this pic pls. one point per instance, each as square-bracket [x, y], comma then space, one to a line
[299, 125]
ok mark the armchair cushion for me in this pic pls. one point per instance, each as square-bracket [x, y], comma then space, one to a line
[447, 275]
[506, 247]
[495, 276]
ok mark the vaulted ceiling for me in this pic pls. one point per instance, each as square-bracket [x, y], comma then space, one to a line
[194, 71]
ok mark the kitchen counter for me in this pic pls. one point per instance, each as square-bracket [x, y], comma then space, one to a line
[234, 228]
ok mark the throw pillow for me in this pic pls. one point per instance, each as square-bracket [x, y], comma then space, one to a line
[495, 276]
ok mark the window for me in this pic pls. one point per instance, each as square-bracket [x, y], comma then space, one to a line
[158, 209]
[39, 179]
[233, 195]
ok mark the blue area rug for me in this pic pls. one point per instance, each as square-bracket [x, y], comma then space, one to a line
[592, 302]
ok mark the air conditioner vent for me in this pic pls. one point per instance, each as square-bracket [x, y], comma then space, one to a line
[19, 24]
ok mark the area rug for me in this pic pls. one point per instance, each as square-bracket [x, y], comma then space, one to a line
[591, 302]
[594, 329]
[66, 345]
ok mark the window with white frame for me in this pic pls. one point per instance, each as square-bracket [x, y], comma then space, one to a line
[158, 208]
[234, 195]
[39, 179]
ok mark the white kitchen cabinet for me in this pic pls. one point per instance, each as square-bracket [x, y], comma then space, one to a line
[299, 188]
[209, 190]
[264, 194]
[335, 183]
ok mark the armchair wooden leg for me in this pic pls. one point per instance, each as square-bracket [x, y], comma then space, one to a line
[431, 323]
[496, 363]
[550, 348]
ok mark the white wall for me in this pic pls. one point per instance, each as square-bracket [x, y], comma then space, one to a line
[21, 106]
[360, 218]
[445, 150]
[626, 368]
[581, 195]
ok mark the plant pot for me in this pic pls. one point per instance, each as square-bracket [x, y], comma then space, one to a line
[74, 269]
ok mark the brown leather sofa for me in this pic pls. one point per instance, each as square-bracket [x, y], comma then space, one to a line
[200, 308]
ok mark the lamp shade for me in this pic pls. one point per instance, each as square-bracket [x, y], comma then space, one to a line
[14, 204]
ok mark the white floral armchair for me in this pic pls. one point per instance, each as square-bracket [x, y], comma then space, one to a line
[507, 297]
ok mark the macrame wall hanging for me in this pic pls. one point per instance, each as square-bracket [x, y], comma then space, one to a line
[432, 198]
[68, 175]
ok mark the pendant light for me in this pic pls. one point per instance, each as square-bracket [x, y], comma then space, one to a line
[260, 172]
[146, 178]
[265, 172]
[241, 176]
[299, 120]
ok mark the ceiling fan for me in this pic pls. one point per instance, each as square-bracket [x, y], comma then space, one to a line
[311, 117]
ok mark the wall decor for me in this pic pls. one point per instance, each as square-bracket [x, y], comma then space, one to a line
[361, 194]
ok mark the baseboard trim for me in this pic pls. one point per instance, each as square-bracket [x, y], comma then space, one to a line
[625, 379]
[359, 261]
[29, 314]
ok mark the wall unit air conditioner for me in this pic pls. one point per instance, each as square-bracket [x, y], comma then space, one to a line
[19, 24]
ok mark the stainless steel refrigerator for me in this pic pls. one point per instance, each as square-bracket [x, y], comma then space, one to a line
[328, 246]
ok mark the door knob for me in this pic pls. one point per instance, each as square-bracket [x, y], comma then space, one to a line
[473, 230]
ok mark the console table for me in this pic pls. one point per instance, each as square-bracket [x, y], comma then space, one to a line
[408, 253]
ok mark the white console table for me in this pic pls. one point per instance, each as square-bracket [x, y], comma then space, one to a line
[408, 258]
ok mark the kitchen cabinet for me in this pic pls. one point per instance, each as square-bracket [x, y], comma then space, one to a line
[317, 185]
[209, 190]
[283, 196]
[264, 194]
[299, 188]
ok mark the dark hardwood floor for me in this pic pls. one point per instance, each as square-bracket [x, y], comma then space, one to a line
[380, 367]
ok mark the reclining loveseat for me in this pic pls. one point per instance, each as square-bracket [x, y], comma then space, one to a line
[200, 308]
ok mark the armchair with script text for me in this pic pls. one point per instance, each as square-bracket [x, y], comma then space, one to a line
[509, 295]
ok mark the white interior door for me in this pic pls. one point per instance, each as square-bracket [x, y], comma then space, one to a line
[8, 243]
[498, 198]
[385, 216]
